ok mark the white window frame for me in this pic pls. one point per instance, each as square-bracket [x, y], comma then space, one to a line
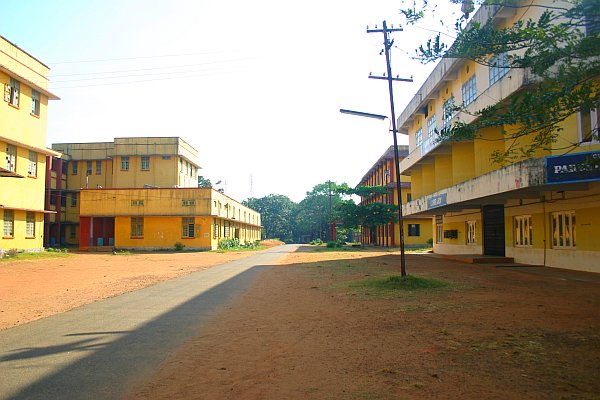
[88, 167]
[145, 163]
[74, 167]
[498, 67]
[98, 167]
[11, 157]
[187, 227]
[32, 164]
[563, 229]
[9, 224]
[589, 120]
[124, 163]
[523, 231]
[471, 236]
[448, 111]
[431, 126]
[469, 91]
[30, 224]
[11, 92]
[419, 137]
[35, 102]
[439, 228]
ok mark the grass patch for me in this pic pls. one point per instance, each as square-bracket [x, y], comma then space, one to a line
[390, 285]
[235, 250]
[409, 282]
[33, 256]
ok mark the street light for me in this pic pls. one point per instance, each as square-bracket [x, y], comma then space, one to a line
[398, 185]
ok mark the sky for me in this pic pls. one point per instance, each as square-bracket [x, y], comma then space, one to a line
[255, 87]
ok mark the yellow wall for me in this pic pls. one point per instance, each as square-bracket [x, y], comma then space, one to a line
[443, 171]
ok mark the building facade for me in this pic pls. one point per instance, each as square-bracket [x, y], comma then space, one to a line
[135, 162]
[23, 152]
[417, 230]
[542, 210]
[163, 218]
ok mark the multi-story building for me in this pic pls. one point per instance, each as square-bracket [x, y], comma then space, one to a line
[23, 117]
[417, 230]
[135, 162]
[156, 218]
[542, 210]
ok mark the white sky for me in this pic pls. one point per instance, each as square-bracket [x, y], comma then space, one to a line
[255, 87]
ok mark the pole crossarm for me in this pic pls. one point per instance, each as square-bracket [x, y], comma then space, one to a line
[394, 79]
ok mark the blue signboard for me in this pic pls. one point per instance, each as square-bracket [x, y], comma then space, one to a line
[437, 201]
[580, 167]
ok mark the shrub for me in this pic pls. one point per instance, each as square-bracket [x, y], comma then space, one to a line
[430, 241]
[228, 244]
[316, 242]
[179, 246]
[333, 244]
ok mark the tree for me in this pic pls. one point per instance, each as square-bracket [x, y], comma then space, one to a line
[204, 182]
[276, 214]
[316, 212]
[367, 215]
[562, 51]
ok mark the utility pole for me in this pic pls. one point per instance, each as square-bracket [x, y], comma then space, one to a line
[388, 43]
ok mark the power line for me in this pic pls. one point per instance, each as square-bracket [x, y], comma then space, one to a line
[139, 57]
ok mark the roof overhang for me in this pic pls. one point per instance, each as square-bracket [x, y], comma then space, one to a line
[45, 92]
[42, 150]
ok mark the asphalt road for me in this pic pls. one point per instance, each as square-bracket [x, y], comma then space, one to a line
[100, 350]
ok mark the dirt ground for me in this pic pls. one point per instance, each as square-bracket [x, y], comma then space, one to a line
[308, 329]
[33, 289]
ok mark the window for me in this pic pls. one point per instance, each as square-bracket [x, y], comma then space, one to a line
[73, 199]
[498, 67]
[32, 164]
[35, 103]
[188, 202]
[217, 231]
[408, 197]
[431, 126]
[98, 167]
[11, 158]
[137, 203]
[30, 224]
[9, 224]
[471, 239]
[439, 228]
[589, 121]
[145, 163]
[563, 229]
[469, 91]
[414, 229]
[74, 167]
[448, 111]
[226, 230]
[137, 227]
[523, 231]
[124, 163]
[11, 92]
[166, 157]
[187, 225]
[88, 167]
[72, 232]
[419, 136]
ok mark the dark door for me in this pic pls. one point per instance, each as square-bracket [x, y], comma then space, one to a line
[493, 230]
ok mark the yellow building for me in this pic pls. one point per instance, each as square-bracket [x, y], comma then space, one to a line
[23, 116]
[417, 230]
[135, 162]
[540, 210]
[155, 218]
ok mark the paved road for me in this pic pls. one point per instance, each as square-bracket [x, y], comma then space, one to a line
[100, 350]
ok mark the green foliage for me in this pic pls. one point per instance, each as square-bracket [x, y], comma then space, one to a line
[316, 242]
[276, 214]
[373, 214]
[430, 242]
[227, 244]
[333, 244]
[400, 283]
[563, 62]
[17, 255]
[179, 246]
[204, 182]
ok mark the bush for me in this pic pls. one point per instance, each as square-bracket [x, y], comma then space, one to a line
[316, 242]
[179, 246]
[430, 242]
[333, 244]
[228, 244]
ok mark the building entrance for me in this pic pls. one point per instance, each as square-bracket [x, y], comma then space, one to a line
[493, 230]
